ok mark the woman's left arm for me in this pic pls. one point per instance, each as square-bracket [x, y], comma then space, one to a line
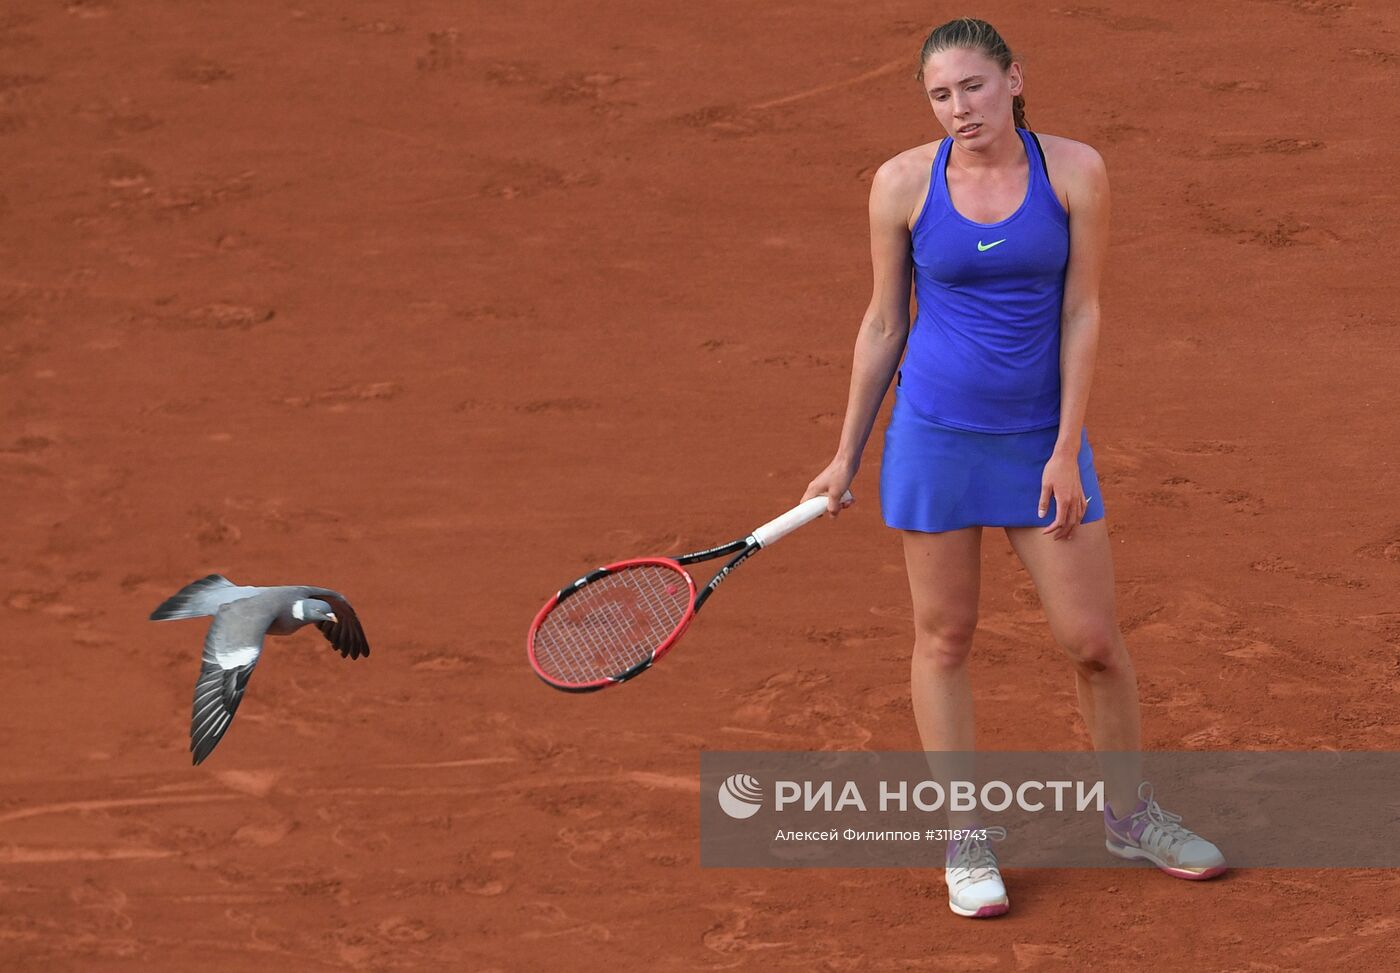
[1087, 189]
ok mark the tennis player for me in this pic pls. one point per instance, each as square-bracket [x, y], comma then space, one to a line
[1003, 234]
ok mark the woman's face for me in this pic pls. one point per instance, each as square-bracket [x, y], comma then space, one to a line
[970, 94]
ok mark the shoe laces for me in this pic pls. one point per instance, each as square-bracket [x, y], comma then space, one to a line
[975, 857]
[1163, 830]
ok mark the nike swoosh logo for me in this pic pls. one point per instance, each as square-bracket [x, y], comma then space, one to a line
[989, 246]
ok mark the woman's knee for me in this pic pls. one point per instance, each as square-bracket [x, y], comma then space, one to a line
[944, 640]
[1096, 650]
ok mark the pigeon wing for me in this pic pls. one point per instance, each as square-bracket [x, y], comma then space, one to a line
[216, 697]
[231, 650]
[203, 597]
[346, 634]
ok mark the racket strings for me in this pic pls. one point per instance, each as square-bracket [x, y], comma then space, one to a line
[612, 624]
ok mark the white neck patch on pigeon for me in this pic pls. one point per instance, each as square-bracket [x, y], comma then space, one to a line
[299, 610]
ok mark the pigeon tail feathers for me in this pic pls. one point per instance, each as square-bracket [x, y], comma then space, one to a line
[196, 599]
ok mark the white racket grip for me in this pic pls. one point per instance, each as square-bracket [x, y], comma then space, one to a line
[784, 524]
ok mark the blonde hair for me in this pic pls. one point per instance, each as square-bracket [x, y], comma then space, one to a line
[977, 35]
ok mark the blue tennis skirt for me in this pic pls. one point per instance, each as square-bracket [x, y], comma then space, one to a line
[936, 478]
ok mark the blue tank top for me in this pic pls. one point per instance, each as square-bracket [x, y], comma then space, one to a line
[984, 352]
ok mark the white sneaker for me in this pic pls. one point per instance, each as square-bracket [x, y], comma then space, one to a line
[974, 881]
[1157, 836]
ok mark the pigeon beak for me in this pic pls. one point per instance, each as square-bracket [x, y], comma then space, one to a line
[331, 616]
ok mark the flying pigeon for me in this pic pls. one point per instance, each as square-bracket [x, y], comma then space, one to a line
[243, 617]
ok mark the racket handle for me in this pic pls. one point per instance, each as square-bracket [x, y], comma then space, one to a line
[804, 513]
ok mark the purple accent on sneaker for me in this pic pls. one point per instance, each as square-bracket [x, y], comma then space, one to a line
[1195, 876]
[987, 911]
[952, 846]
[1121, 826]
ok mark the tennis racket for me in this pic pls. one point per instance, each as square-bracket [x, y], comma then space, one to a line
[617, 621]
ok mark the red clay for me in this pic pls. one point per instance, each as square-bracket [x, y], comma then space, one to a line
[442, 307]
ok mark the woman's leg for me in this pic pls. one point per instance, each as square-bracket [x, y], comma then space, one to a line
[1074, 579]
[944, 581]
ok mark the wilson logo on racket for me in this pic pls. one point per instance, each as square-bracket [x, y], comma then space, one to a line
[740, 796]
[617, 609]
[617, 621]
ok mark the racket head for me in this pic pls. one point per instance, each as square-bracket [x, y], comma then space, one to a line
[611, 624]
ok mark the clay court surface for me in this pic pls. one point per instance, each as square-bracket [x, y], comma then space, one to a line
[443, 304]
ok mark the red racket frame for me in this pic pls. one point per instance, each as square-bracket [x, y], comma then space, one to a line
[741, 549]
[642, 666]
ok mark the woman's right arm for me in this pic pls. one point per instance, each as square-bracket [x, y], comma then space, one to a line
[883, 330]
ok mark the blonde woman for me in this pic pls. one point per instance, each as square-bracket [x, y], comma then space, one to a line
[1002, 234]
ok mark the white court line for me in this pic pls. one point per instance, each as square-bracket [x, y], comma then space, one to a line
[42, 809]
[669, 782]
[31, 856]
[473, 762]
[882, 70]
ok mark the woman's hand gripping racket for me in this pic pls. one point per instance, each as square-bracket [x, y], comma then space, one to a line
[615, 622]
